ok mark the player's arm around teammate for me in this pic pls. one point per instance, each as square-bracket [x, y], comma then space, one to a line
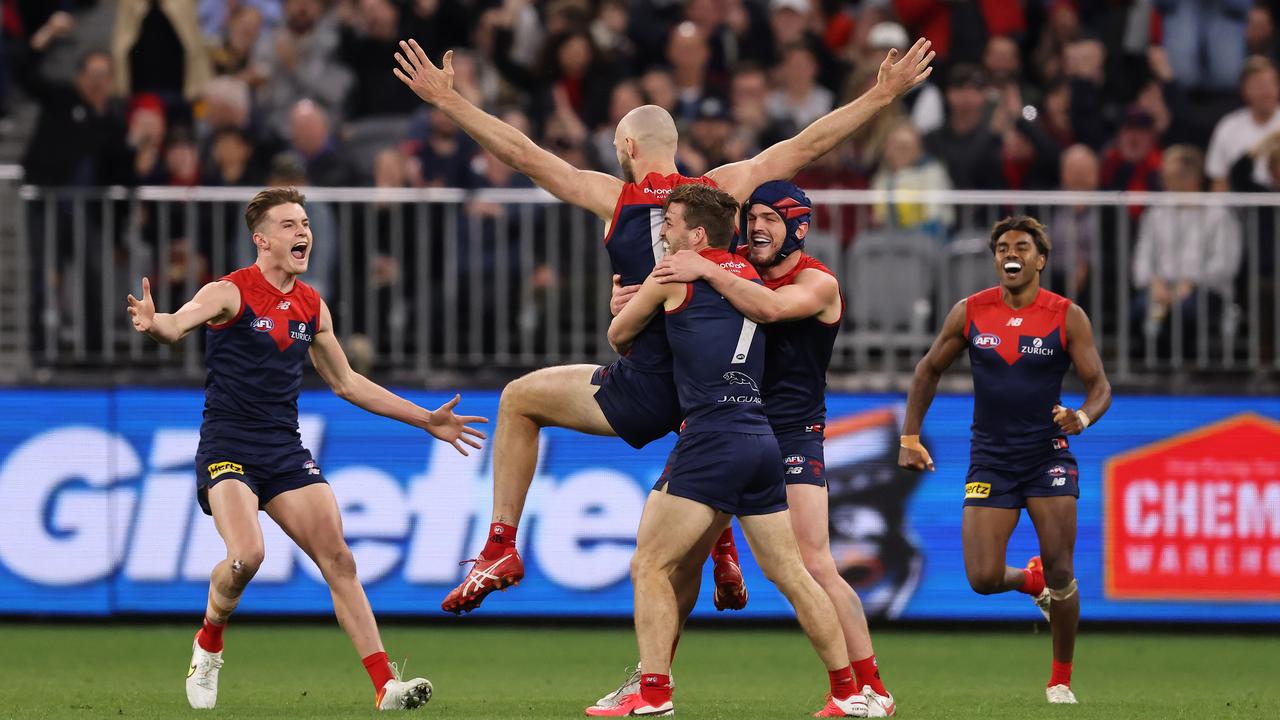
[640, 309]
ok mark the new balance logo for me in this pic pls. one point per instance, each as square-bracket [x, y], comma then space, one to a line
[1014, 322]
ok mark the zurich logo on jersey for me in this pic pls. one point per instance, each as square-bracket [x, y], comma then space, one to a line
[263, 324]
[986, 341]
[299, 332]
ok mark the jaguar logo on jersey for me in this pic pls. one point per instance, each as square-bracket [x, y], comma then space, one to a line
[299, 332]
[1036, 348]
[979, 490]
[222, 468]
[986, 341]
[263, 324]
[734, 377]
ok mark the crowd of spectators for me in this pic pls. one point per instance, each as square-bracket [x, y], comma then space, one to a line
[1027, 94]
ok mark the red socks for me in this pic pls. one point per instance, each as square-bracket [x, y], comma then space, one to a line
[379, 669]
[842, 683]
[725, 545]
[501, 537]
[1032, 583]
[1061, 674]
[655, 689]
[210, 636]
[868, 672]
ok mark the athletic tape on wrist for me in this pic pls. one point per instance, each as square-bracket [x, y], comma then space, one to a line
[1084, 419]
[1065, 593]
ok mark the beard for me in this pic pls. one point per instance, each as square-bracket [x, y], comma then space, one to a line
[628, 169]
[768, 262]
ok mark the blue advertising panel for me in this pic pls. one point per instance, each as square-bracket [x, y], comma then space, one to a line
[1179, 516]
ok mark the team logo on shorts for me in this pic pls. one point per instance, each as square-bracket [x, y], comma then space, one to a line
[1059, 475]
[311, 467]
[794, 460]
[986, 341]
[263, 324]
[222, 468]
[978, 490]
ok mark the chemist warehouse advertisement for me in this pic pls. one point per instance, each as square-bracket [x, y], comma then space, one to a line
[1179, 511]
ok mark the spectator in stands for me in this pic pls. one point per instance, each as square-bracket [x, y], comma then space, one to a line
[231, 160]
[1245, 178]
[234, 53]
[1260, 32]
[217, 16]
[791, 23]
[444, 158]
[625, 97]
[748, 92]
[1240, 130]
[659, 88]
[1166, 101]
[311, 137]
[959, 30]
[1029, 156]
[1092, 110]
[1133, 161]
[287, 169]
[1054, 114]
[1062, 27]
[1183, 251]
[906, 167]
[1076, 228]
[609, 34]
[711, 137]
[1204, 40]
[924, 103]
[299, 61]
[798, 99]
[1002, 62]
[370, 34]
[688, 54]
[437, 25]
[159, 48]
[147, 126]
[965, 145]
[181, 159]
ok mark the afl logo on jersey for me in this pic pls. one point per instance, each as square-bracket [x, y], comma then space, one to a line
[986, 341]
[263, 324]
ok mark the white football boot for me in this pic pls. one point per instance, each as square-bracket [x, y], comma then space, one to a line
[400, 694]
[202, 677]
[1060, 695]
[629, 686]
[879, 705]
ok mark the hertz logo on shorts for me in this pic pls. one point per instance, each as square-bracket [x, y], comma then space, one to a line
[977, 490]
[222, 468]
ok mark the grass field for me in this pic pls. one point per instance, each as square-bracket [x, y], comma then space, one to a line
[310, 671]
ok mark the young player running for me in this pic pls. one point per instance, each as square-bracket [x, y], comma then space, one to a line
[634, 398]
[261, 323]
[1021, 339]
[726, 462]
[799, 307]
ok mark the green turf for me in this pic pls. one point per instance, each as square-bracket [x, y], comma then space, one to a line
[281, 671]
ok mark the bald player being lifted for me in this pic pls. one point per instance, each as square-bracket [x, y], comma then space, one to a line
[635, 397]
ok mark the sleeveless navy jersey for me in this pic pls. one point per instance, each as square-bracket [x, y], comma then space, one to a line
[1019, 358]
[796, 357]
[718, 357]
[255, 360]
[634, 247]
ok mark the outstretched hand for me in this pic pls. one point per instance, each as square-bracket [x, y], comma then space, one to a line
[898, 76]
[143, 312]
[443, 425]
[416, 70]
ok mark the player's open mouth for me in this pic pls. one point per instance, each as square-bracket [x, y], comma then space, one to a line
[299, 251]
[761, 240]
[1012, 268]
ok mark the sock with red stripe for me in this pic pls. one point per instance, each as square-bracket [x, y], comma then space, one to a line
[868, 672]
[210, 636]
[379, 669]
[725, 546]
[501, 537]
[1061, 674]
[655, 689]
[842, 683]
[1032, 583]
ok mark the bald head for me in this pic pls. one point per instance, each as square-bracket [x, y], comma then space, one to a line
[1080, 169]
[647, 133]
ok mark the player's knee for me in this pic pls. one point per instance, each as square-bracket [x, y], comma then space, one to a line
[986, 582]
[340, 563]
[245, 564]
[1057, 571]
[518, 395]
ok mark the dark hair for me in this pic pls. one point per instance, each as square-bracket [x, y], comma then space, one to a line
[706, 207]
[1026, 224]
[87, 56]
[267, 199]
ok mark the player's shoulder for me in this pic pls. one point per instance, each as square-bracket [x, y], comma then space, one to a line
[655, 187]
[309, 296]
[809, 262]
[990, 296]
[732, 262]
[1053, 301]
[243, 277]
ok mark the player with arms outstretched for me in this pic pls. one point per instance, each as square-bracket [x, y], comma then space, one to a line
[261, 323]
[633, 398]
[726, 462]
[1021, 340]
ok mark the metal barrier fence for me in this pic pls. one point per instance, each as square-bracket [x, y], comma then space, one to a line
[432, 284]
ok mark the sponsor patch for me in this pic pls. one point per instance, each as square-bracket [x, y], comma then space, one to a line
[794, 460]
[1057, 471]
[986, 341]
[977, 490]
[311, 467]
[222, 468]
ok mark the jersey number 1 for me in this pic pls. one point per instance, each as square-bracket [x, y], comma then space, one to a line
[656, 218]
[744, 342]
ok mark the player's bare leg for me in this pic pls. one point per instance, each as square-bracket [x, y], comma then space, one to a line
[309, 516]
[1055, 521]
[985, 533]
[551, 397]
[235, 515]
[809, 518]
[773, 544]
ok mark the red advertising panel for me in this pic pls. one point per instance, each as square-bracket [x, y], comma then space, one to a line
[1196, 516]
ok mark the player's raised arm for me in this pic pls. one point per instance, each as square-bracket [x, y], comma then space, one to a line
[924, 384]
[592, 191]
[783, 160]
[638, 311]
[216, 301]
[809, 295]
[441, 423]
[1084, 355]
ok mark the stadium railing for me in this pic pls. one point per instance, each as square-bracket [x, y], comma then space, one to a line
[433, 285]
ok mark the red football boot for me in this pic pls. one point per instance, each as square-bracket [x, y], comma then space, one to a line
[499, 572]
